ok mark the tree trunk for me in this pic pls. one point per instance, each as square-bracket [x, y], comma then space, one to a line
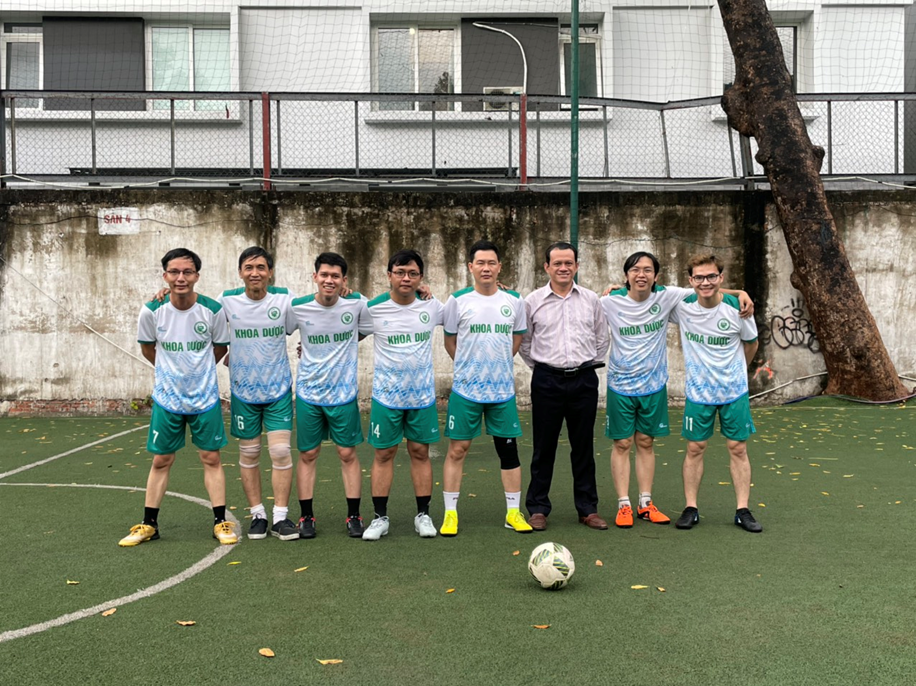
[762, 104]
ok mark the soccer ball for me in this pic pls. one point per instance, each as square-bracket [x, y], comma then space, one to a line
[551, 565]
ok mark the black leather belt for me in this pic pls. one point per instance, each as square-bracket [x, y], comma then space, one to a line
[575, 371]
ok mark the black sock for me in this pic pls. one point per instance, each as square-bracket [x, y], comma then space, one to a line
[423, 504]
[306, 507]
[219, 514]
[380, 503]
[151, 516]
[352, 507]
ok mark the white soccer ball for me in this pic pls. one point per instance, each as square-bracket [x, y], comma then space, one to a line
[551, 565]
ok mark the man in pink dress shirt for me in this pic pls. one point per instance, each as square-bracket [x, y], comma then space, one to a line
[567, 340]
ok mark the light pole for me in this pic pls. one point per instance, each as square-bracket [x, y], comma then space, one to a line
[522, 109]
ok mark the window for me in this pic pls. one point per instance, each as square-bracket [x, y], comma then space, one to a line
[788, 37]
[21, 60]
[183, 58]
[590, 85]
[414, 59]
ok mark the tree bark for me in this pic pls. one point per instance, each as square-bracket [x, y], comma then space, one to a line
[762, 104]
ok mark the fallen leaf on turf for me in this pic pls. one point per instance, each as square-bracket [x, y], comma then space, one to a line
[725, 483]
[848, 476]
[72, 583]
[233, 507]
[451, 590]
[110, 612]
[266, 652]
[824, 493]
[185, 622]
[660, 589]
[760, 505]
[472, 495]
[599, 563]
[541, 626]
[330, 662]
[859, 507]
[233, 563]
[813, 464]
[517, 552]
[638, 587]
[301, 569]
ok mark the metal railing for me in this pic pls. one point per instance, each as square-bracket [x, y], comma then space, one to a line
[304, 139]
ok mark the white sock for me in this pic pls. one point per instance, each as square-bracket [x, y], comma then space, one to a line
[512, 500]
[451, 500]
[644, 500]
[623, 502]
[280, 513]
[258, 511]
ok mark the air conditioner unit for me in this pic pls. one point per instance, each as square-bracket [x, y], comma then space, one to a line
[501, 106]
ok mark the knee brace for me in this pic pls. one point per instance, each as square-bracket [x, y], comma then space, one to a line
[249, 452]
[507, 449]
[278, 447]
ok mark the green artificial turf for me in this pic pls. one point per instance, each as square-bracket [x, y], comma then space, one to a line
[823, 596]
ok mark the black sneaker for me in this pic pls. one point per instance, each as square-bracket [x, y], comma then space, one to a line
[306, 527]
[258, 529]
[355, 526]
[285, 530]
[689, 517]
[746, 521]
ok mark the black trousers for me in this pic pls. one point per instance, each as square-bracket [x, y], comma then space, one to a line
[555, 398]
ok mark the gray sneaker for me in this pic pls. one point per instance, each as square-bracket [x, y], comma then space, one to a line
[424, 526]
[285, 530]
[258, 529]
[377, 528]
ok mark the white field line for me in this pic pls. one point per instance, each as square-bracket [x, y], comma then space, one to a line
[27, 467]
[211, 559]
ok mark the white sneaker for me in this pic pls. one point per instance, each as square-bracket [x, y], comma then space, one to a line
[423, 523]
[377, 528]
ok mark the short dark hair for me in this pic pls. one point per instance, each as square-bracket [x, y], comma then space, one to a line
[332, 259]
[256, 251]
[560, 245]
[704, 258]
[178, 254]
[631, 261]
[405, 257]
[482, 245]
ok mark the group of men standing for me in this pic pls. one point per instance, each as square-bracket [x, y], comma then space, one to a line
[562, 331]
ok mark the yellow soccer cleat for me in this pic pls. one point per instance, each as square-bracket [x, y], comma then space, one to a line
[138, 534]
[224, 532]
[450, 524]
[516, 520]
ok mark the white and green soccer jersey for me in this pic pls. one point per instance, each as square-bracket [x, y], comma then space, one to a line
[638, 361]
[185, 366]
[404, 378]
[485, 325]
[712, 339]
[259, 364]
[330, 336]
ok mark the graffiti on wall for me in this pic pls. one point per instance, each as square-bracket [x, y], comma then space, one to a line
[791, 328]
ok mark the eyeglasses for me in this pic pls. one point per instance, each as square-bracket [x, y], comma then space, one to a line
[401, 274]
[175, 273]
[700, 278]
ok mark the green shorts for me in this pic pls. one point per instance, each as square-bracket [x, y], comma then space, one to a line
[317, 423]
[735, 421]
[388, 426]
[167, 433]
[463, 422]
[249, 419]
[647, 414]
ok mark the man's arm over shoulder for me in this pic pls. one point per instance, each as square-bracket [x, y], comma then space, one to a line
[146, 333]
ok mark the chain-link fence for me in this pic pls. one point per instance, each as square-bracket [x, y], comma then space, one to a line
[310, 139]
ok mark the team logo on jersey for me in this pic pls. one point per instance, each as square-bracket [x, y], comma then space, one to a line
[424, 317]
[723, 325]
[346, 318]
[201, 328]
[506, 310]
[655, 309]
[273, 313]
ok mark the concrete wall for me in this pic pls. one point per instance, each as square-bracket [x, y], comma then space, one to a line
[69, 297]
